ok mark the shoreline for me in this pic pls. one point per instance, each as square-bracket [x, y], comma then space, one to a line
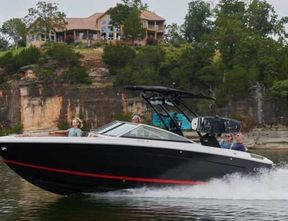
[267, 138]
[259, 138]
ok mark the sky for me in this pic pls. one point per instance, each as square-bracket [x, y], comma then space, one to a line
[173, 11]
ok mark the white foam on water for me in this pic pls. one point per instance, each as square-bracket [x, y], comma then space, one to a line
[266, 185]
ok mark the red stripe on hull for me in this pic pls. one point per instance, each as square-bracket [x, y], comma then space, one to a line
[106, 176]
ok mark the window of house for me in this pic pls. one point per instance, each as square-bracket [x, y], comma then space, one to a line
[43, 37]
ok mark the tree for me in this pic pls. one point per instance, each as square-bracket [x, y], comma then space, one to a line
[126, 16]
[197, 21]
[280, 88]
[63, 55]
[229, 29]
[193, 71]
[174, 34]
[117, 56]
[136, 4]
[45, 18]
[15, 29]
[118, 14]
[3, 43]
[132, 27]
[262, 19]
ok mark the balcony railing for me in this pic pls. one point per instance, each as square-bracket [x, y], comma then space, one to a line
[155, 27]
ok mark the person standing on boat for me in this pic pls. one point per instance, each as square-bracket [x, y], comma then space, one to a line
[239, 144]
[227, 143]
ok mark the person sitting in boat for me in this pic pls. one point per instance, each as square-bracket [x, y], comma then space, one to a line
[227, 143]
[74, 131]
[239, 144]
[136, 119]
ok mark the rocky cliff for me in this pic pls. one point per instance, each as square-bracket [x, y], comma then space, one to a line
[36, 111]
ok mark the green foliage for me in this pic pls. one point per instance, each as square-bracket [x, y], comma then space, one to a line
[149, 55]
[46, 76]
[127, 16]
[197, 21]
[118, 56]
[28, 56]
[4, 85]
[98, 44]
[221, 96]
[225, 56]
[62, 54]
[193, 67]
[7, 62]
[237, 83]
[174, 34]
[123, 117]
[135, 4]
[13, 129]
[44, 18]
[220, 52]
[3, 44]
[262, 19]
[15, 29]
[119, 14]
[231, 9]
[14, 51]
[61, 64]
[143, 69]
[11, 63]
[132, 26]
[58, 63]
[63, 125]
[76, 75]
[280, 88]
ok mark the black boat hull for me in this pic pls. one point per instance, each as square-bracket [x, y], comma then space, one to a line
[69, 168]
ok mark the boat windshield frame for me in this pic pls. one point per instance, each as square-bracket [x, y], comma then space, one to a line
[139, 131]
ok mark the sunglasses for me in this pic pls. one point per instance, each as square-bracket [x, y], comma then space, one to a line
[227, 136]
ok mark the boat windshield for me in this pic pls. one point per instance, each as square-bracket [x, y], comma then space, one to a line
[141, 131]
[115, 128]
[147, 132]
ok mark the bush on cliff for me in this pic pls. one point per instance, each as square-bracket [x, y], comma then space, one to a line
[118, 56]
[12, 62]
[60, 63]
[63, 55]
[76, 75]
[7, 62]
[54, 64]
[13, 129]
[27, 56]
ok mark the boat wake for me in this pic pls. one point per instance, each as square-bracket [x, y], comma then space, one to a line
[266, 185]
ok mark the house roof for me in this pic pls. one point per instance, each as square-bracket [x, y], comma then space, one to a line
[151, 16]
[89, 23]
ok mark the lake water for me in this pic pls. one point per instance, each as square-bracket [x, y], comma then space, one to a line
[261, 197]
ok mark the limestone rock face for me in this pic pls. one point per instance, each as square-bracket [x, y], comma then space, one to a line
[37, 114]
[36, 111]
[100, 77]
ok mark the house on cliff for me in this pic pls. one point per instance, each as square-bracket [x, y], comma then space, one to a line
[97, 27]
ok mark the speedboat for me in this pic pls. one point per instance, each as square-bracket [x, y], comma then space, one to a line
[122, 155]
